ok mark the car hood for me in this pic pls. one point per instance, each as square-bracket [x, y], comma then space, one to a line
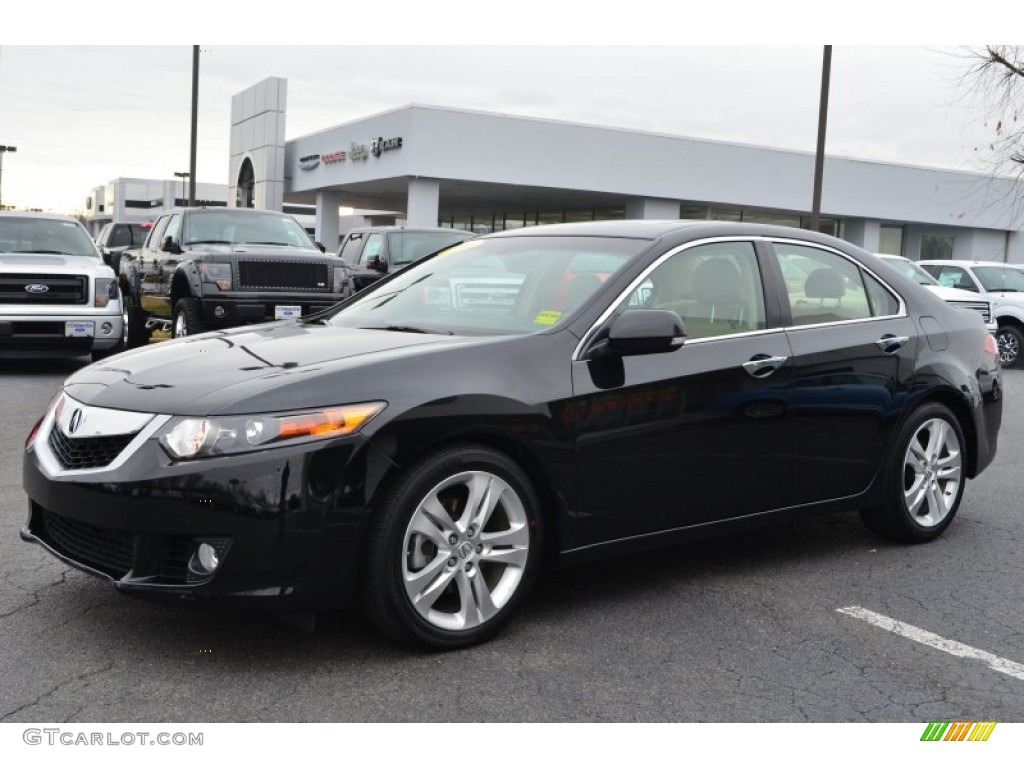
[253, 249]
[954, 294]
[233, 371]
[51, 263]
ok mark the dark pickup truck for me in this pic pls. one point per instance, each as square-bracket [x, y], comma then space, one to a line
[202, 269]
[373, 252]
[117, 237]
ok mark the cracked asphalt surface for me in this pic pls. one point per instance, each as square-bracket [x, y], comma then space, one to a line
[737, 629]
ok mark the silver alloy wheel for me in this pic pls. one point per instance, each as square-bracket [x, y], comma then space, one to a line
[932, 472]
[180, 326]
[124, 324]
[465, 550]
[1009, 347]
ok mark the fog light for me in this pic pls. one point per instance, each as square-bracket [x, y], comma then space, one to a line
[207, 557]
[219, 312]
[106, 328]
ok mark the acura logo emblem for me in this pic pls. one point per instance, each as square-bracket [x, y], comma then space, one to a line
[75, 421]
[37, 288]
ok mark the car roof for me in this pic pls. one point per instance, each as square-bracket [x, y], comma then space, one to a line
[965, 263]
[403, 228]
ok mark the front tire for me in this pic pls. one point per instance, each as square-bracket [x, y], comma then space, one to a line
[452, 549]
[926, 478]
[135, 334]
[1010, 341]
[188, 320]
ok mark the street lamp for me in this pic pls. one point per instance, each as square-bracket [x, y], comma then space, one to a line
[3, 150]
[183, 175]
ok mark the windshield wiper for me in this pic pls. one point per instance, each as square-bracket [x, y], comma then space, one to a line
[262, 242]
[209, 242]
[404, 329]
[55, 253]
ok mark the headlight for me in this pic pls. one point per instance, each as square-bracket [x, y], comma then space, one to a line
[216, 273]
[192, 438]
[106, 291]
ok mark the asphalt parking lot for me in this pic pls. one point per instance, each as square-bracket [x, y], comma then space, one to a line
[746, 628]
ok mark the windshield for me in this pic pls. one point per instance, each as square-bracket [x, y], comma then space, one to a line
[29, 234]
[1000, 278]
[911, 270]
[505, 285]
[263, 227]
[407, 247]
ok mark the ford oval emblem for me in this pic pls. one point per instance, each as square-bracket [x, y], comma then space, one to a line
[37, 288]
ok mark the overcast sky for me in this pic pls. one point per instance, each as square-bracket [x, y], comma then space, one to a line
[81, 116]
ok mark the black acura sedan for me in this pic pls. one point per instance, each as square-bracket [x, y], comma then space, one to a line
[538, 396]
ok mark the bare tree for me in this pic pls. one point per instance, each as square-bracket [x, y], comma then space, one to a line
[994, 80]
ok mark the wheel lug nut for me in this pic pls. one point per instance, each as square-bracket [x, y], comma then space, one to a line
[479, 548]
[471, 531]
[451, 562]
[453, 539]
[469, 567]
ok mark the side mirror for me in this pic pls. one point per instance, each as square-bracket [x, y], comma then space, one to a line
[169, 246]
[378, 264]
[106, 256]
[646, 332]
[321, 247]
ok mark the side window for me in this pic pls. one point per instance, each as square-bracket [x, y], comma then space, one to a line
[824, 287]
[120, 235]
[374, 245]
[956, 277]
[101, 239]
[349, 252]
[157, 234]
[716, 289]
[173, 230]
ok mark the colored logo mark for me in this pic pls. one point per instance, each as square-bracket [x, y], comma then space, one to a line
[959, 731]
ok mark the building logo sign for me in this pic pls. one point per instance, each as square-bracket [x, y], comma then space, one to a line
[380, 144]
[358, 151]
[337, 156]
[309, 162]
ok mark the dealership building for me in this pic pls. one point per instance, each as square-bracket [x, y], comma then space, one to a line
[488, 172]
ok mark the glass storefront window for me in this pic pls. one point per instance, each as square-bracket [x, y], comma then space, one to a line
[890, 239]
[936, 247]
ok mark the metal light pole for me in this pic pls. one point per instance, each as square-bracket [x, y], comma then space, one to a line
[819, 157]
[183, 175]
[3, 151]
[195, 117]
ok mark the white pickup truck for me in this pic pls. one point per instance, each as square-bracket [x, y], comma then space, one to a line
[57, 297]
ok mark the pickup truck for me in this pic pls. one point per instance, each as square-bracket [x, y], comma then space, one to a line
[373, 252]
[117, 237]
[204, 269]
[1003, 285]
[57, 297]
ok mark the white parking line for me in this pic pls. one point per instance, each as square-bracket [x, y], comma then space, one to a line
[923, 636]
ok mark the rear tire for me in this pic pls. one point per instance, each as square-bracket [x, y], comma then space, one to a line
[188, 319]
[925, 482]
[453, 548]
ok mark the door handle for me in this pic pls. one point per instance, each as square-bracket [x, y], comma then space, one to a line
[890, 343]
[761, 366]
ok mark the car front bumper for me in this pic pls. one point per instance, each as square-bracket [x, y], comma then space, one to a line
[286, 523]
[45, 334]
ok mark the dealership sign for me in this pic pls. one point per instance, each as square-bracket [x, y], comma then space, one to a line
[356, 151]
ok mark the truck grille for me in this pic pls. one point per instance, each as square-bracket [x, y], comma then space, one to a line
[283, 276]
[114, 552]
[86, 452]
[978, 306]
[60, 289]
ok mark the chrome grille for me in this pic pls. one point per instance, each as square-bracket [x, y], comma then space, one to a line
[283, 276]
[86, 452]
[60, 289]
[978, 306]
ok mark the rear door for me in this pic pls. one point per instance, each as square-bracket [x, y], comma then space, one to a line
[854, 349]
